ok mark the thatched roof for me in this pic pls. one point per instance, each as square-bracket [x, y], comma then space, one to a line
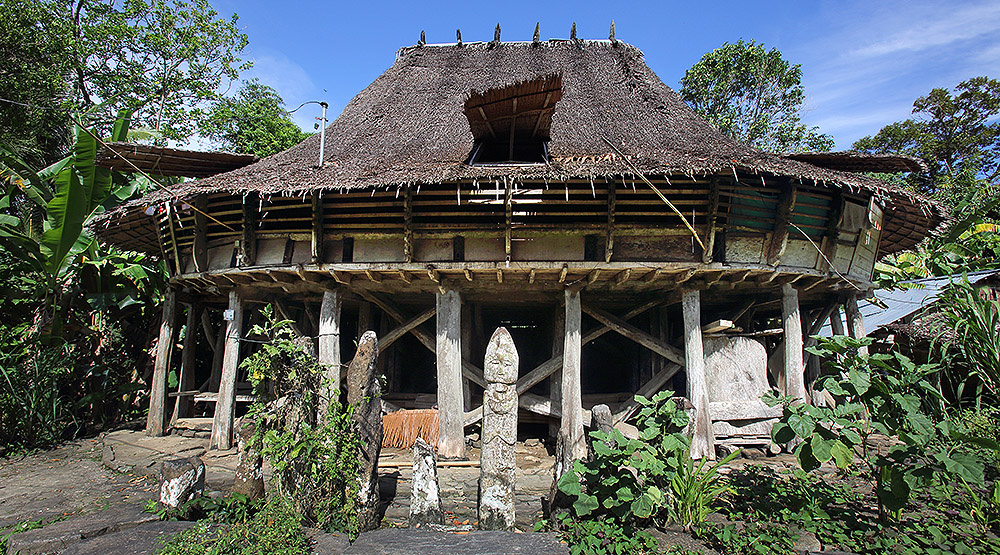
[854, 161]
[161, 160]
[410, 126]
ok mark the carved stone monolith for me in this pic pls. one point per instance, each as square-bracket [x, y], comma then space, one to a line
[497, 465]
[249, 477]
[425, 498]
[364, 393]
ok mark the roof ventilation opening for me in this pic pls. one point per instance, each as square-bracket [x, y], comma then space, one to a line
[511, 124]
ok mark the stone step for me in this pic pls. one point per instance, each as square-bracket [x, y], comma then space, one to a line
[145, 539]
[58, 536]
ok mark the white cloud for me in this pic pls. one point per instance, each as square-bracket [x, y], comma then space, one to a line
[946, 28]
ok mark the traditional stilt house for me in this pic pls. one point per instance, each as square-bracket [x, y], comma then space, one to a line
[558, 188]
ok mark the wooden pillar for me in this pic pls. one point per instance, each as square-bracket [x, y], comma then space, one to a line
[555, 379]
[225, 403]
[794, 379]
[702, 438]
[467, 353]
[836, 323]
[855, 322]
[328, 350]
[451, 417]
[571, 437]
[156, 418]
[364, 319]
[185, 382]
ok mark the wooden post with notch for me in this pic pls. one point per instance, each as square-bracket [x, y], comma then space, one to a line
[703, 438]
[408, 224]
[225, 402]
[199, 250]
[156, 418]
[609, 247]
[779, 237]
[248, 242]
[571, 438]
[316, 246]
[328, 345]
[451, 416]
[713, 218]
[794, 371]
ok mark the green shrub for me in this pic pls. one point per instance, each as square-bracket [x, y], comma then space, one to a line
[631, 483]
[881, 417]
[275, 529]
[602, 536]
[314, 457]
[35, 408]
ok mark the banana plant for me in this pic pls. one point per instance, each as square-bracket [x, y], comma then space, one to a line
[71, 193]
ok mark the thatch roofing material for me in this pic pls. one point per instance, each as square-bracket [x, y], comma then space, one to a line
[160, 160]
[410, 126]
[853, 161]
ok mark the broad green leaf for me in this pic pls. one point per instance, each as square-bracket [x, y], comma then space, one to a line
[782, 433]
[806, 458]
[585, 504]
[821, 448]
[843, 456]
[801, 424]
[66, 214]
[860, 380]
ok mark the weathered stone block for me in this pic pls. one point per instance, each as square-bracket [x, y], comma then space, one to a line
[425, 498]
[181, 480]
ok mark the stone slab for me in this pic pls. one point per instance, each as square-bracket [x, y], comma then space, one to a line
[145, 539]
[59, 535]
[402, 541]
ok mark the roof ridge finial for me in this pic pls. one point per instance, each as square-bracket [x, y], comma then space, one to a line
[572, 32]
[423, 38]
[534, 38]
[458, 36]
[612, 35]
[496, 34]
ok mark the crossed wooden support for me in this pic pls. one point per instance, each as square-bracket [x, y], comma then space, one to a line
[535, 403]
[609, 322]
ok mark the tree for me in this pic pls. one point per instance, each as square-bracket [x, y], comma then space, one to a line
[753, 95]
[37, 55]
[954, 131]
[253, 122]
[160, 59]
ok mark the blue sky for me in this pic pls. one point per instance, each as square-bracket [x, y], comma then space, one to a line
[863, 62]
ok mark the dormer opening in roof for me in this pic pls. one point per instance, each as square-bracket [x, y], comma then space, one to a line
[511, 124]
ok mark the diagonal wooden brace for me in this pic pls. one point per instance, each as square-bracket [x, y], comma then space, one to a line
[469, 370]
[545, 369]
[658, 346]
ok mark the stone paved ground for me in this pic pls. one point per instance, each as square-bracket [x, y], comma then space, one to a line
[98, 487]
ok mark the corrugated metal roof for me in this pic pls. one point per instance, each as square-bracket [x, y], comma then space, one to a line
[900, 303]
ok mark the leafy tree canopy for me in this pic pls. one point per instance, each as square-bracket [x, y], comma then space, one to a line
[37, 54]
[253, 122]
[955, 131]
[160, 59]
[754, 95]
